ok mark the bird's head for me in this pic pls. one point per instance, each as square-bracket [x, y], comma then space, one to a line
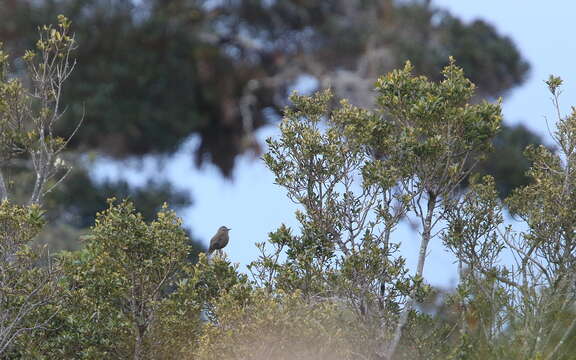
[223, 229]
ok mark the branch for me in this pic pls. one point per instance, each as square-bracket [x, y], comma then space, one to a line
[3, 190]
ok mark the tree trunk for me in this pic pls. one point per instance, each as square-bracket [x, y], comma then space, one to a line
[139, 346]
[426, 233]
[3, 190]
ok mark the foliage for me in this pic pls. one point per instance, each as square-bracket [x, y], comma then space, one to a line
[421, 144]
[29, 290]
[28, 117]
[26, 289]
[345, 222]
[546, 251]
[356, 175]
[200, 290]
[336, 287]
[130, 288]
[260, 325]
[528, 304]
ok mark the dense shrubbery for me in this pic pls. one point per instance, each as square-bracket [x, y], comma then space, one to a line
[335, 289]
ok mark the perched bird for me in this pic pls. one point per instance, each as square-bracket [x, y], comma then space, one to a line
[220, 240]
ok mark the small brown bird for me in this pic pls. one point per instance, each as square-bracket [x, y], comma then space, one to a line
[220, 240]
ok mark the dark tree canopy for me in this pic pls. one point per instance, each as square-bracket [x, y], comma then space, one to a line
[80, 209]
[490, 60]
[507, 163]
[151, 73]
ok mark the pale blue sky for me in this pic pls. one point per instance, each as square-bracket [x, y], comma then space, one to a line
[253, 206]
[544, 32]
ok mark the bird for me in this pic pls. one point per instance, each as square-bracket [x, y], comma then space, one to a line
[220, 240]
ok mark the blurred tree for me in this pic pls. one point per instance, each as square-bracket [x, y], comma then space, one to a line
[507, 163]
[155, 72]
[71, 208]
[490, 60]
[82, 208]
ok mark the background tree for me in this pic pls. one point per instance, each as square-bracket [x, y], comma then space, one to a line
[155, 73]
[71, 216]
[507, 163]
[176, 68]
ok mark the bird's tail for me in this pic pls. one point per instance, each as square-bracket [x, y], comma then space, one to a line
[209, 255]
